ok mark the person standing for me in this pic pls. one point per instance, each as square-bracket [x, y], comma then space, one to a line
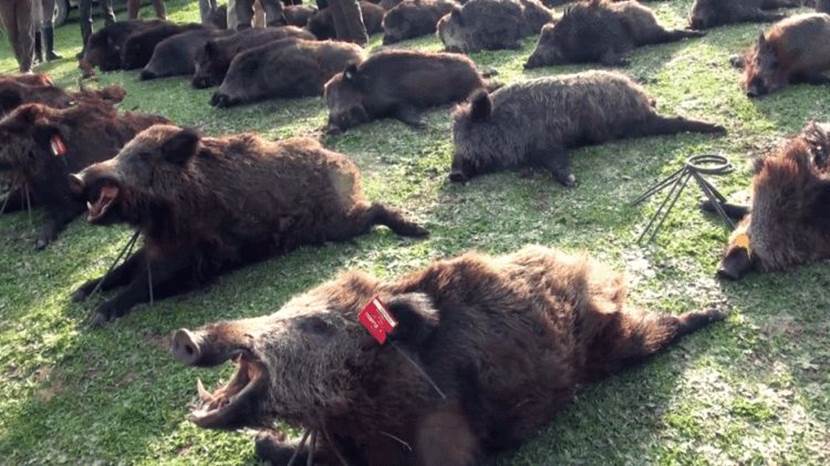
[244, 10]
[45, 47]
[17, 19]
[85, 13]
[134, 5]
[206, 8]
[348, 21]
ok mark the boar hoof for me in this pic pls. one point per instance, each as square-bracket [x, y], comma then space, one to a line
[41, 244]
[98, 320]
[220, 100]
[147, 75]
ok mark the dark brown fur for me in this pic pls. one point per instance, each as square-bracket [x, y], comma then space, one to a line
[287, 68]
[105, 47]
[206, 205]
[139, 46]
[91, 130]
[508, 339]
[795, 50]
[789, 223]
[414, 18]
[214, 59]
[492, 24]
[711, 13]
[176, 55]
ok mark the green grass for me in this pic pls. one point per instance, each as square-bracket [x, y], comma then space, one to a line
[752, 390]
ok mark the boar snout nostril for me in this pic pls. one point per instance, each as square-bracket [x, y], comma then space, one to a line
[185, 347]
[76, 184]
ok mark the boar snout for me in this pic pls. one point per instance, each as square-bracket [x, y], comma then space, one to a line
[76, 184]
[210, 346]
[186, 347]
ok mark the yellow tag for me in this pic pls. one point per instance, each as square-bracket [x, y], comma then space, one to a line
[742, 241]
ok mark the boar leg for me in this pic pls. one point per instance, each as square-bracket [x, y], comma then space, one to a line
[445, 437]
[363, 219]
[558, 162]
[659, 125]
[627, 338]
[163, 272]
[119, 276]
[816, 79]
[674, 35]
[56, 221]
[734, 211]
[408, 115]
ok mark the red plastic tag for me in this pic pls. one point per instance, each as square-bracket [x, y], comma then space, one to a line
[377, 320]
[58, 146]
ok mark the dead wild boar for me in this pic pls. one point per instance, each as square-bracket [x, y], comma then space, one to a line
[491, 24]
[40, 146]
[712, 13]
[206, 205]
[795, 50]
[414, 18]
[601, 31]
[535, 326]
[105, 46]
[787, 225]
[287, 68]
[176, 55]
[14, 93]
[139, 46]
[214, 59]
[535, 122]
[321, 23]
[398, 84]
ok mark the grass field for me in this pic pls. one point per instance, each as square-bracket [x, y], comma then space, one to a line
[752, 390]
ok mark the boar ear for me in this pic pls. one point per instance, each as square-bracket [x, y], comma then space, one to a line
[456, 15]
[9, 100]
[350, 73]
[417, 318]
[179, 148]
[762, 41]
[480, 106]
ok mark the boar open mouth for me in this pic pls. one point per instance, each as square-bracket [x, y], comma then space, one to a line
[230, 405]
[107, 195]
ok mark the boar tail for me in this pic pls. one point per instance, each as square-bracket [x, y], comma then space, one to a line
[660, 125]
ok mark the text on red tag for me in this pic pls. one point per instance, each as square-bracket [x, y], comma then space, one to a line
[377, 320]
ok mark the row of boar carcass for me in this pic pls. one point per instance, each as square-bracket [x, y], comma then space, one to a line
[485, 330]
[205, 205]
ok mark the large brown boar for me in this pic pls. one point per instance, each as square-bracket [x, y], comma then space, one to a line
[14, 93]
[398, 84]
[711, 13]
[321, 23]
[534, 123]
[205, 205]
[287, 68]
[298, 15]
[507, 340]
[214, 59]
[789, 222]
[40, 146]
[105, 47]
[601, 31]
[414, 18]
[795, 50]
[491, 24]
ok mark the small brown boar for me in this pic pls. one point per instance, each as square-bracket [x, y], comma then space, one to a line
[214, 59]
[601, 31]
[287, 68]
[206, 205]
[794, 50]
[176, 55]
[491, 24]
[414, 18]
[40, 146]
[139, 46]
[105, 46]
[14, 93]
[535, 122]
[508, 341]
[398, 84]
[321, 23]
[789, 221]
[711, 13]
